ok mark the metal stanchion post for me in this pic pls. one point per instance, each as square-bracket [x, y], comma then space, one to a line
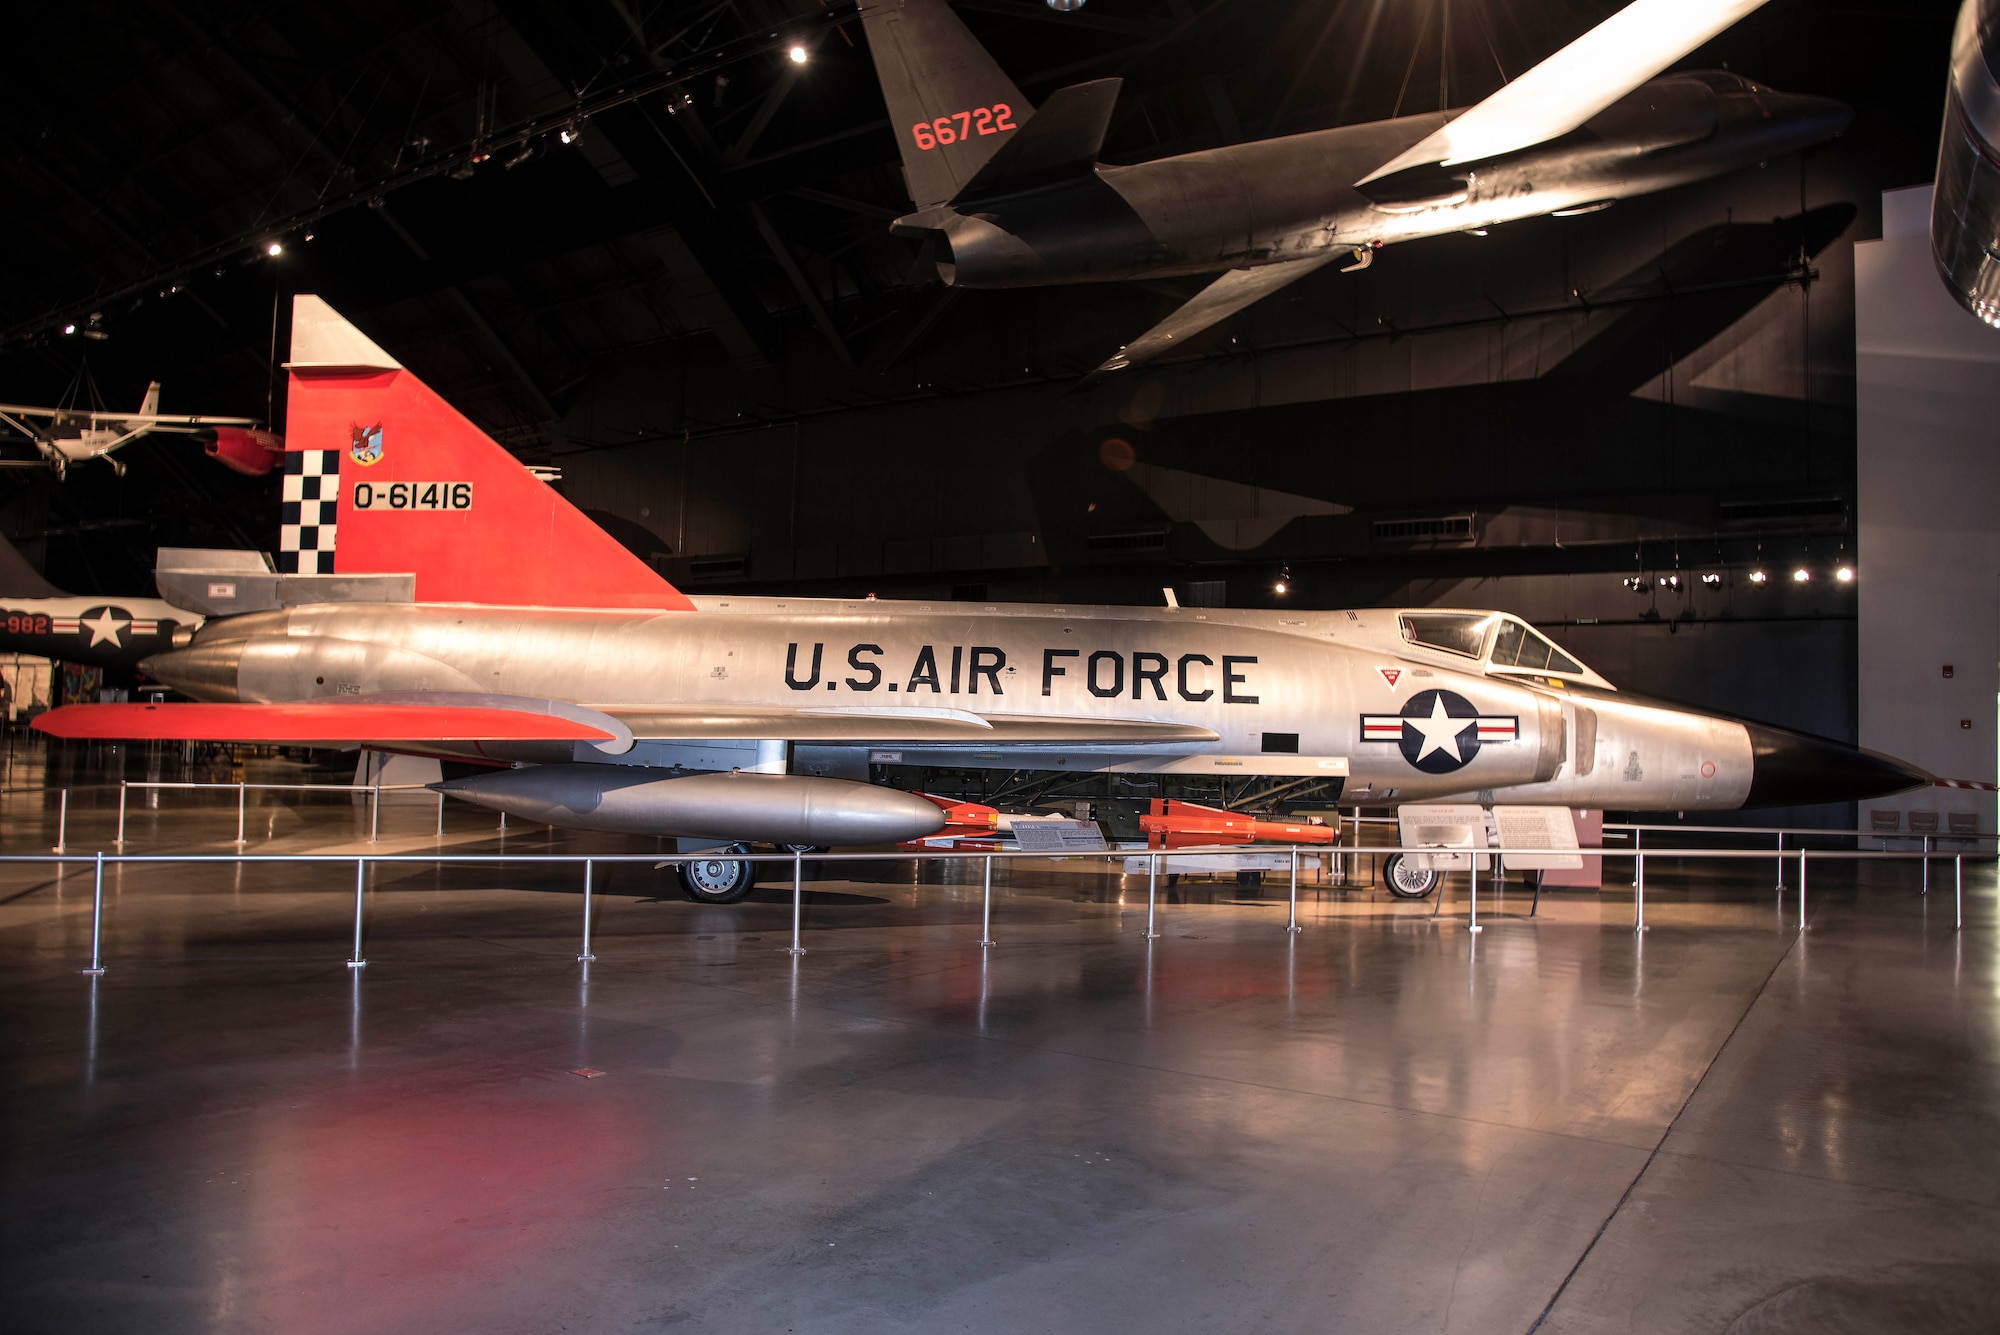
[986, 907]
[503, 822]
[62, 821]
[242, 791]
[798, 899]
[1958, 893]
[1152, 893]
[1475, 927]
[586, 956]
[1781, 859]
[1638, 842]
[1292, 922]
[354, 961]
[1927, 865]
[440, 813]
[97, 922]
[120, 842]
[1639, 900]
[1802, 890]
[374, 811]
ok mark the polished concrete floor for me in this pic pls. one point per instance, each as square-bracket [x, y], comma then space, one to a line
[1385, 1124]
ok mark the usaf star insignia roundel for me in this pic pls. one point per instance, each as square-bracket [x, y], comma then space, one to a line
[1439, 731]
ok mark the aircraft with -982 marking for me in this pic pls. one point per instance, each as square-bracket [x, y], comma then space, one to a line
[433, 596]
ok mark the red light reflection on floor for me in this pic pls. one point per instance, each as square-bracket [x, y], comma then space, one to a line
[410, 1209]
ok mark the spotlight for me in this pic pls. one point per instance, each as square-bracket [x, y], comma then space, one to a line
[1279, 587]
[798, 55]
[1845, 574]
[1672, 581]
[1065, 6]
[1801, 575]
[1637, 583]
[570, 133]
[69, 329]
[1758, 577]
[274, 250]
[1711, 578]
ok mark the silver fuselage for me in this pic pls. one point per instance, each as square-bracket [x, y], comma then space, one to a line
[1293, 198]
[1008, 686]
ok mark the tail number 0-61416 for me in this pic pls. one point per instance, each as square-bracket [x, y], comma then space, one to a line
[963, 125]
[413, 495]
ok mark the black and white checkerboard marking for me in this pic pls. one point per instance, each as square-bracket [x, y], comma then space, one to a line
[312, 498]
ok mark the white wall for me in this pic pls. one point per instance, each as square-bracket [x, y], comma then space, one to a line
[1928, 480]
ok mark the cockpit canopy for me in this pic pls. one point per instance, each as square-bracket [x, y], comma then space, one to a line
[1505, 645]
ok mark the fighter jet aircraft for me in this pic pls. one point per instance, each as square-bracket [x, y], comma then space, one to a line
[67, 435]
[38, 618]
[437, 597]
[1008, 195]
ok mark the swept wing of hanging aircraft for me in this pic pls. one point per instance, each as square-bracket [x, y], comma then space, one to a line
[69, 435]
[435, 596]
[1010, 195]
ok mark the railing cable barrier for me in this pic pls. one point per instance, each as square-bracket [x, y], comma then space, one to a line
[588, 861]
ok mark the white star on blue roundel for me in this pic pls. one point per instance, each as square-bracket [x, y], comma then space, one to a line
[1439, 731]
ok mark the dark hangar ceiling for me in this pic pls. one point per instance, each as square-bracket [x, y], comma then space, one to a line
[734, 208]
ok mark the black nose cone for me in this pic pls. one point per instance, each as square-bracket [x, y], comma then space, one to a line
[1798, 769]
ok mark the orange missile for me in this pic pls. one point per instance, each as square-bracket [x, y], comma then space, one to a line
[962, 820]
[1171, 824]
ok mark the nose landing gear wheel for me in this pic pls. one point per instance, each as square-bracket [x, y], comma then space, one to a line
[1405, 881]
[718, 880]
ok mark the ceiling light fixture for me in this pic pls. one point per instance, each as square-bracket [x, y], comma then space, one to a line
[1758, 577]
[1845, 574]
[798, 55]
[274, 250]
[1801, 575]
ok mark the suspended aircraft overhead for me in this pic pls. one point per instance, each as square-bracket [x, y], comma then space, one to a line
[1009, 195]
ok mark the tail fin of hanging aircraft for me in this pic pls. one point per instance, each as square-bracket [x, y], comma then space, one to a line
[950, 104]
[383, 476]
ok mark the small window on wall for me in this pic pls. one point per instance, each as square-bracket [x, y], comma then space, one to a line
[1453, 632]
[1522, 649]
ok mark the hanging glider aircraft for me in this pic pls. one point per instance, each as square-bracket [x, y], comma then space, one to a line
[67, 435]
[436, 597]
[1009, 195]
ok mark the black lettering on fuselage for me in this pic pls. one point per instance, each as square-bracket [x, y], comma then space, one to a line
[986, 662]
[957, 661]
[1182, 677]
[792, 664]
[873, 670]
[1148, 666]
[1117, 686]
[1232, 678]
[925, 671]
[1049, 669]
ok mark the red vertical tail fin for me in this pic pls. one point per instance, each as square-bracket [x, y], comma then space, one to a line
[382, 475]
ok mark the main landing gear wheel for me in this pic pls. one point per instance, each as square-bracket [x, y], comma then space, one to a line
[718, 880]
[1405, 881]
